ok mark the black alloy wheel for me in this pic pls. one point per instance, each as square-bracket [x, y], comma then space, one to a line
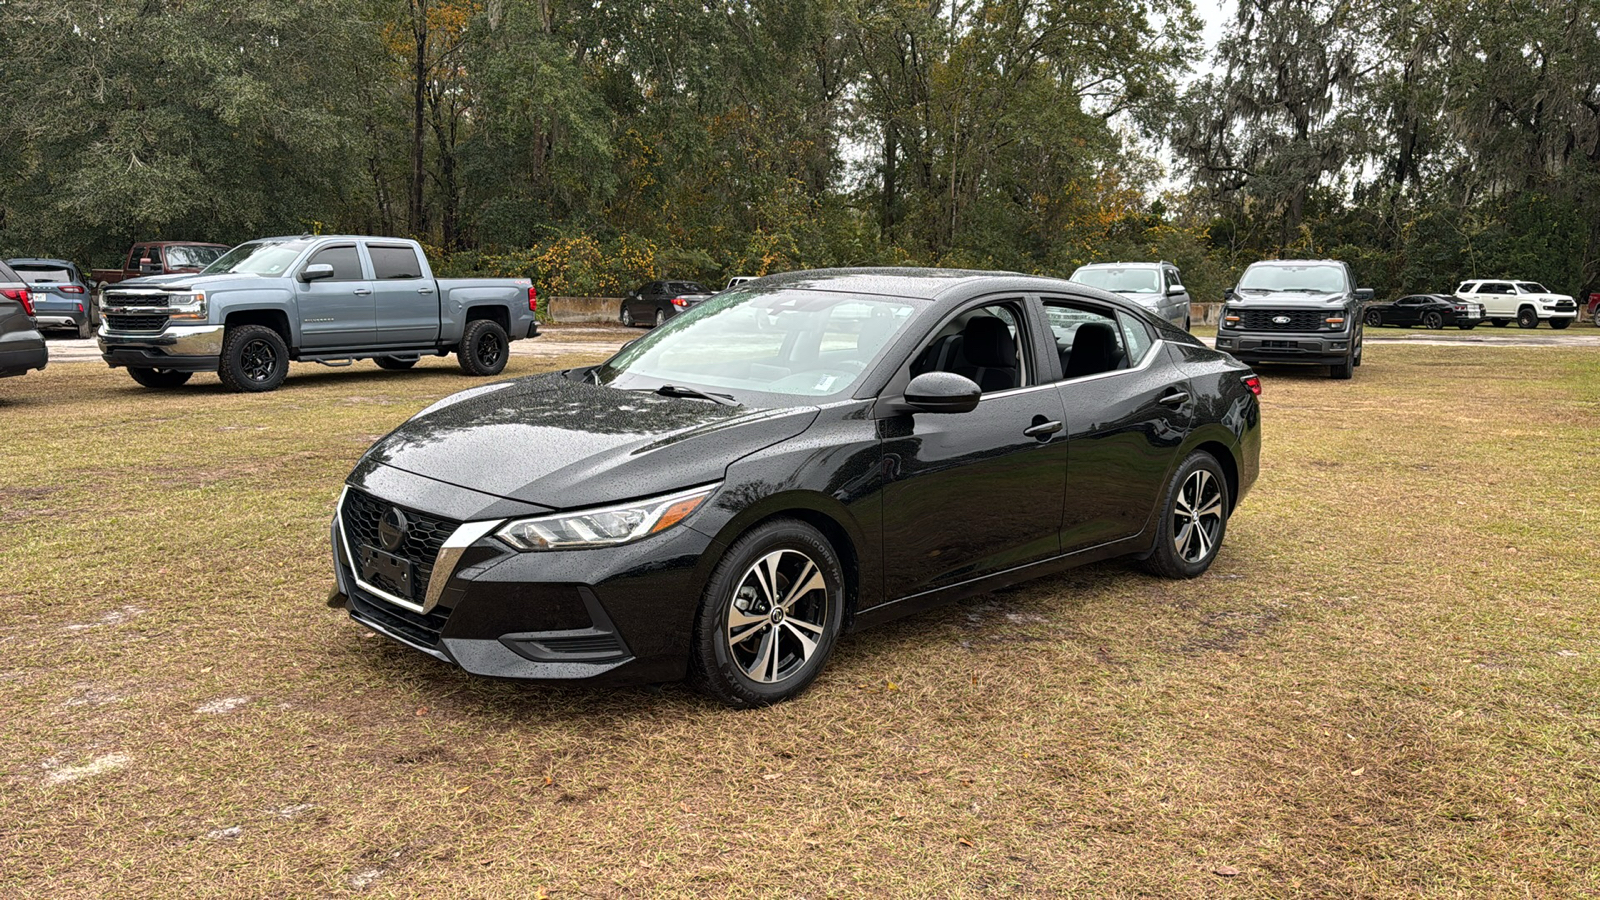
[1527, 318]
[1194, 519]
[1433, 320]
[159, 378]
[770, 616]
[255, 359]
[484, 348]
[1374, 318]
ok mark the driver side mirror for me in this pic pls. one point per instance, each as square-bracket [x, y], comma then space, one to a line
[942, 392]
[1364, 295]
[149, 267]
[1227, 293]
[1175, 290]
[316, 271]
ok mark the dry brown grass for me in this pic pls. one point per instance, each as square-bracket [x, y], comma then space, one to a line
[1386, 686]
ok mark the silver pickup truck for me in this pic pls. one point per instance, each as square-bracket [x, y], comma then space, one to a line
[324, 299]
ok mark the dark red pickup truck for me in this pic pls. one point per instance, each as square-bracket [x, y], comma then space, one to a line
[1593, 309]
[160, 258]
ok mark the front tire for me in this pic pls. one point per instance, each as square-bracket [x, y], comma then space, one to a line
[159, 379]
[483, 349]
[1374, 318]
[1527, 318]
[1341, 371]
[769, 617]
[254, 359]
[395, 363]
[1559, 324]
[1194, 519]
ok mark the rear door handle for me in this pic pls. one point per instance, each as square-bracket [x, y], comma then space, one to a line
[1176, 398]
[1042, 430]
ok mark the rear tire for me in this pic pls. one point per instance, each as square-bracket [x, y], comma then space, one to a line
[483, 348]
[1527, 318]
[747, 654]
[84, 331]
[395, 363]
[255, 359]
[626, 316]
[661, 316]
[1194, 519]
[159, 379]
[1433, 320]
[1559, 324]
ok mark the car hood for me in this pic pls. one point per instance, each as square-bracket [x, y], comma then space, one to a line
[186, 281]
[562, 444]
[1285, 298]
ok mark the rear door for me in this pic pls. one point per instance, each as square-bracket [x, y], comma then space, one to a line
[407, 300]
[335, 312]
[1127, 414]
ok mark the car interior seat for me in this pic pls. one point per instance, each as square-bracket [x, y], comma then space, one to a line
[1094, 350]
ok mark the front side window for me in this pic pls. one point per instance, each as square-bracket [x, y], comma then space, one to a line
[789, 345]
[344, 259]
[1088, 338]
[1531, 287]
[983, 343]
[392, 263]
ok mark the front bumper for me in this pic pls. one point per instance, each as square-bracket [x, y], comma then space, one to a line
[181, 348]
[1286, 347]
[614, 615]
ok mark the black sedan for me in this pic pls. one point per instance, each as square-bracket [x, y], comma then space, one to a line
[657, 301]
[727, 495]
[1427, 310]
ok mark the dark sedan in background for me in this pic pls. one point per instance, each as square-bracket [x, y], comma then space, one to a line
[22, 348]
[776, 466]
[657, 301]
[60, 294]
[1426, 310]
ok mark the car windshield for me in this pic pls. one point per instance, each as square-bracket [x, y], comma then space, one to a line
[257, 258]
[790, 343]
[1531, 287]
[180, 257]
[1120, 280]
[43, 274]
[1311, 279]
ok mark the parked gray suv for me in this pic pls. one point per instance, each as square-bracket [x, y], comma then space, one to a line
[1156, 286]
[1295, 311]
[21, 345]
[324, 299]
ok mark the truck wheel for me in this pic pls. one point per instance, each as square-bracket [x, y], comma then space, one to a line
[1559, 324]
[1501, 323]
[254, 359]
[1597, 317]
[483, 348]
[1527, 318]
[396, 363]
[1433, 320]
[159, 378]
[1341, 371]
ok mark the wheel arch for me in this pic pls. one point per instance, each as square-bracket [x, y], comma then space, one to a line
[820, 512]
[275, 319]
[496, 314]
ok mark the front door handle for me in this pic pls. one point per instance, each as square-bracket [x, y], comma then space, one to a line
[1176, 398]
[424, 290]
[362, 292]
[1041, 430]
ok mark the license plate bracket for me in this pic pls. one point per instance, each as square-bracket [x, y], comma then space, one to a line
[385, 570]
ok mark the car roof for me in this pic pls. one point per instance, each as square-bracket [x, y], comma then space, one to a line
[1297, 262]
[1124, 265]
[178, 244]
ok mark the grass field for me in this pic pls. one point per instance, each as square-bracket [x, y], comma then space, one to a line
[1388, 685]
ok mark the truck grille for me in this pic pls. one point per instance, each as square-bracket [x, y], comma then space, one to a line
[1299, 319]
[135, 323]
[363, 512]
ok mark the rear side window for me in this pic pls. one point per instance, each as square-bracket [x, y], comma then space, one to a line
[1136, 338]
[1088, 338]
[7, 275]
[344, 259]
[391, 263]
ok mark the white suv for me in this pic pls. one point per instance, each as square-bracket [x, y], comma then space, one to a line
[1526, 302]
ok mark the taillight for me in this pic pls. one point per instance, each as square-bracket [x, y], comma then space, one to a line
[70, 288]
[21, 296]
[533, 299]
[679, 302]
[1253, 382]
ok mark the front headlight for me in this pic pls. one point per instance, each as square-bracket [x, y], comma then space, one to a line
[605, 527]
[1230, 318]
[187, 306]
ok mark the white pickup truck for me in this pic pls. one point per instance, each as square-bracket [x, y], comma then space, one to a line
[1524, 302]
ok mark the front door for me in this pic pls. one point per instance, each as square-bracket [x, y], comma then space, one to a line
[407, 302]
[971, 494]
[336, 312]
[1127, 417]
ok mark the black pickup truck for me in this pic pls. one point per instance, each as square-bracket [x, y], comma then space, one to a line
[1295, 311]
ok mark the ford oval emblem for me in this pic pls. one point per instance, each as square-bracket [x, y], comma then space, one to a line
[392, 529]
[1280, 320]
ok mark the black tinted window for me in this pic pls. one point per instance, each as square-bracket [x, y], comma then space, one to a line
[345, 261]
[390, 263]
[685, 287]
[43, 274]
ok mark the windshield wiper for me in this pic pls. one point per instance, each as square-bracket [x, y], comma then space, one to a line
[679, 390]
